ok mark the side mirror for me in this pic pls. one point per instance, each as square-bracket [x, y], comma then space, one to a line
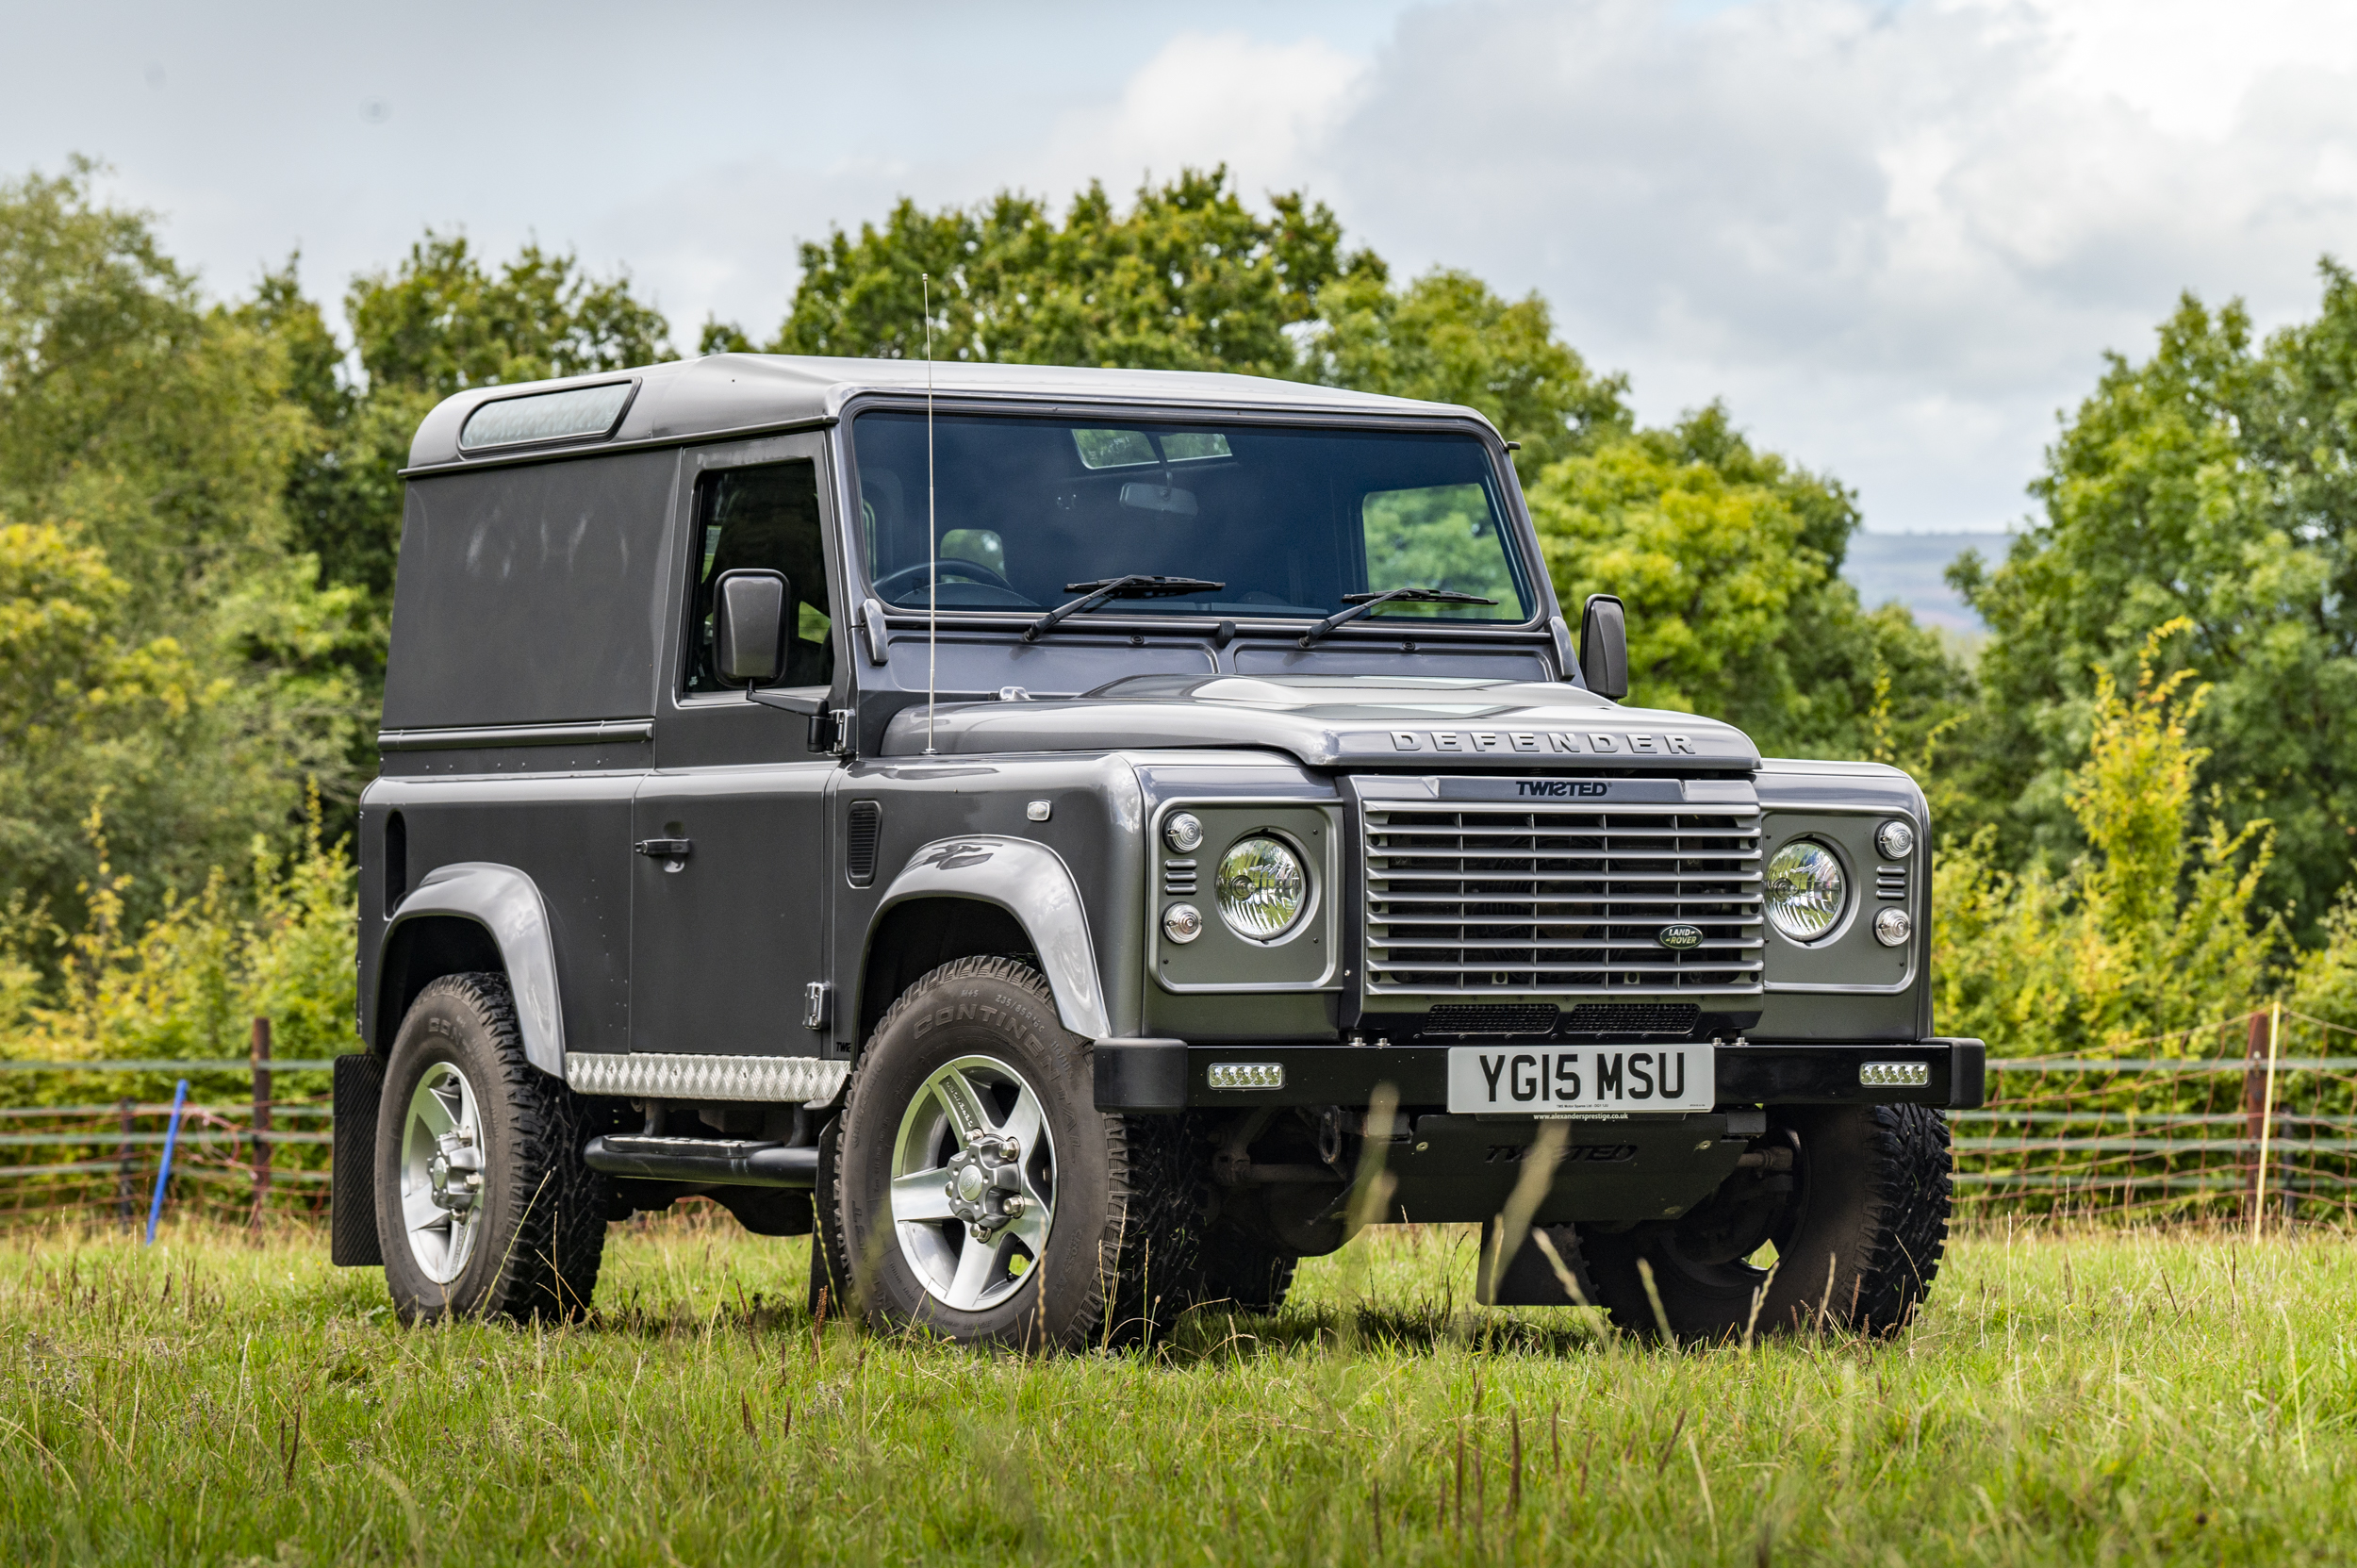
[749, 610]
[1604, 646]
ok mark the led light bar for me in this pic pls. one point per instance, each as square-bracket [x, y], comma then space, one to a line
[1895, 1075]
[1247, 1075]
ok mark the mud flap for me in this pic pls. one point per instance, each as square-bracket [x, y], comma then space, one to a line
[351, 1186]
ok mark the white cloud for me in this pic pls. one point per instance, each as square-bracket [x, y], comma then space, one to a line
[1268, 110]
[1895, 234]
[1896, 239]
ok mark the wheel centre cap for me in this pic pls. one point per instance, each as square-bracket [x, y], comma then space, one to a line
[972, 1183]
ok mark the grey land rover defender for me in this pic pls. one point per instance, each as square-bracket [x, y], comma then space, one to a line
[1081, 841]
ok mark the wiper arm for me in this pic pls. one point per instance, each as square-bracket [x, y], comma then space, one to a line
[1094, 594]
[1362, 603]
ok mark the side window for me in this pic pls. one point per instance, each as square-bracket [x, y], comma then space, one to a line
[761, 518]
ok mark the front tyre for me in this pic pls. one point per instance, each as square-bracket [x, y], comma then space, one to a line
[1859, 1219]
[981, 1194]
[484, 1206]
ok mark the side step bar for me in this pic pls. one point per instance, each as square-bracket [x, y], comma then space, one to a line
[714, 1162]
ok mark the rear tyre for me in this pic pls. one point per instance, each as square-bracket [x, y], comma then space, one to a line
[1859, 1226]
[484, 1206]
[979, 1193]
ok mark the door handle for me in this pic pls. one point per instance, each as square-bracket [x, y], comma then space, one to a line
[666, 849]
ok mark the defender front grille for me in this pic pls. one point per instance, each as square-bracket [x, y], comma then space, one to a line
[1508, 898]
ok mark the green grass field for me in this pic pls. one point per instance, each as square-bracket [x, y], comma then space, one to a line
[2089, 1396]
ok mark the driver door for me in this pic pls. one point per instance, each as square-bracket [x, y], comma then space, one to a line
[729, 887]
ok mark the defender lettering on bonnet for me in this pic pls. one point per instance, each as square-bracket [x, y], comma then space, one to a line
[1543, 741]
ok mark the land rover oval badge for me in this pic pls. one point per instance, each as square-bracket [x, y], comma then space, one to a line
[1681, 936]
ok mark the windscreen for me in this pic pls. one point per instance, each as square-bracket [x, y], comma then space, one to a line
[1289, 520]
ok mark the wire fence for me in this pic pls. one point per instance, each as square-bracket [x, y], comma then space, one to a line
[2253, 1119]
[2250, 1119]
[86, 1141]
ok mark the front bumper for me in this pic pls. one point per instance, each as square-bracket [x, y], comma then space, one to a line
[1150, 1076]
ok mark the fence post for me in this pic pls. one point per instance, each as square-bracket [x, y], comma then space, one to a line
[125, 1190]
[2266, 1122]
[2254, 1084]
[261, 1117]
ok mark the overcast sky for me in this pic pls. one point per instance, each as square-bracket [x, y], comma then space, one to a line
[1895, 238]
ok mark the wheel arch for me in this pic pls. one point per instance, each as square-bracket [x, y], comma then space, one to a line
[468, 916]
[980, 897]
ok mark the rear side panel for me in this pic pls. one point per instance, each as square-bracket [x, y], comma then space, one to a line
[531, 595]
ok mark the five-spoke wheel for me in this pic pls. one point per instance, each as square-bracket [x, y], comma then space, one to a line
[973, 1182]
[441, 1172]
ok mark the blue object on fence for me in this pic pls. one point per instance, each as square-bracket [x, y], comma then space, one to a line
[163, 1172]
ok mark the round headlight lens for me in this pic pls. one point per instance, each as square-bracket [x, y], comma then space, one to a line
[1261, 889]
[1894, 839]
[1182, 923]
[1806, 891]
[1183, 833]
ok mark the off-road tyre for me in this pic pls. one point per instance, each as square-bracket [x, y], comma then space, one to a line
[1126, 1212]
[541, 1233]
[1858, 1241]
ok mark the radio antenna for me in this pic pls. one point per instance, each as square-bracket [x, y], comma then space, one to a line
[932, 570]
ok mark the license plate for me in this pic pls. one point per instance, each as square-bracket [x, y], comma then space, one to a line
[1542, 1080]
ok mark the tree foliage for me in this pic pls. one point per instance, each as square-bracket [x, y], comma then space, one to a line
[2213, 486]
[2155, 929]
[1187, 279]
[1728, 560]
[1449, 338]
[164, 649]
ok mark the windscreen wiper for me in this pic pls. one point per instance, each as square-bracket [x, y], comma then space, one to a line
[1094, 594]
[1362, 603]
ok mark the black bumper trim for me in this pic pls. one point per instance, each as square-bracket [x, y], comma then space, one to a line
[1142, 1076]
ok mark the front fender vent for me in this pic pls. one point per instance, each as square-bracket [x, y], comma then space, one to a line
[859, 842]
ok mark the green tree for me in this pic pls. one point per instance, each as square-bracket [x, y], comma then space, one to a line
[1187, 279]
[2156, 927]
[440, 321]
[168, 651]
[1449, 338]
[2213, 484]
[1728, 560]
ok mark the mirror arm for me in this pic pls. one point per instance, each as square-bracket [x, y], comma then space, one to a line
[806, 706]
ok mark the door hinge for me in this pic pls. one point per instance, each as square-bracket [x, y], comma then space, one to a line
[666, 849]
[830, 732]
[815, 998]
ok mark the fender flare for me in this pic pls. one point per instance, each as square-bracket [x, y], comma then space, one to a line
[507, 905]
[1030, 882]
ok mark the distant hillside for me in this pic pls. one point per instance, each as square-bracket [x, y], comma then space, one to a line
[1907, 566]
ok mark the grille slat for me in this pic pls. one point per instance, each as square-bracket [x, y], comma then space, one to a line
[1522, 898]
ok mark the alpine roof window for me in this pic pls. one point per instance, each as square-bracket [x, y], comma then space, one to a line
[576, 413]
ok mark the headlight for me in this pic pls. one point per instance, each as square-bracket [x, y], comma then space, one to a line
[1806, 891]
[1261, 889]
